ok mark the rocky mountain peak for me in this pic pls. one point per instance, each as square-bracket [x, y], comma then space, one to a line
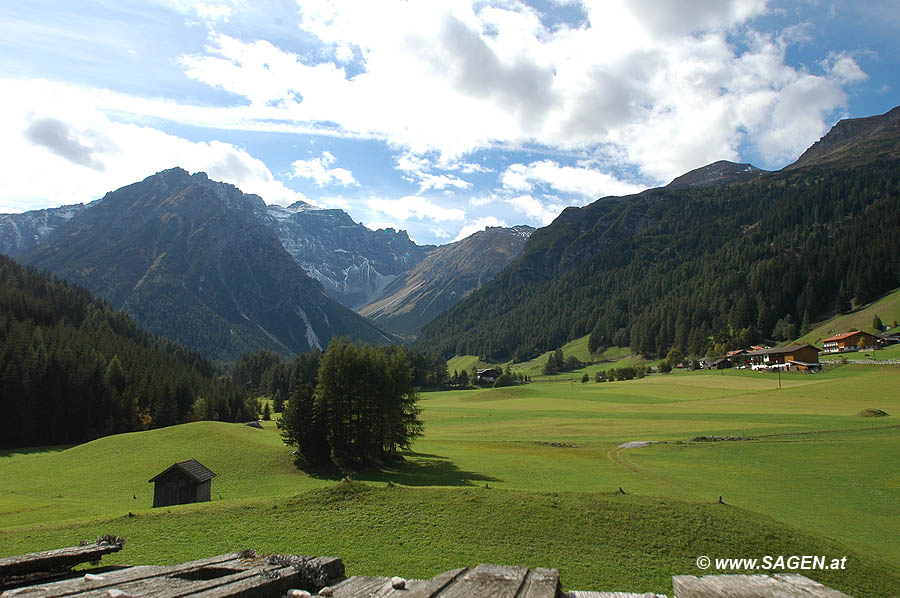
[854, 141]
[718, 173]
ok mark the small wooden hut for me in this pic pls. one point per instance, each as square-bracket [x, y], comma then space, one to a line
[185, 482]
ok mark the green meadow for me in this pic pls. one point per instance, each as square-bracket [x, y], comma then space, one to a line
[527, 474]
[887, 308]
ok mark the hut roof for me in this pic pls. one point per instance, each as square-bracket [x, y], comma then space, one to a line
[783, 350]
[192, 468]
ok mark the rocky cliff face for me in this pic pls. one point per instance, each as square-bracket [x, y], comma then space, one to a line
[353, 263]
[855, 141]
[192, 259]
[445, 277]
[23, 232]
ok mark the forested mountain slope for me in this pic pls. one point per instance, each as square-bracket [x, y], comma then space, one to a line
[191, 259]
[73, 369]
[691, 268]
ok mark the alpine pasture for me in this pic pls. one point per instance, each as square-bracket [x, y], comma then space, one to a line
[527, 474]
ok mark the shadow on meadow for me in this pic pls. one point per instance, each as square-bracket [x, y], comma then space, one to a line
[35, 450]
[420, 469]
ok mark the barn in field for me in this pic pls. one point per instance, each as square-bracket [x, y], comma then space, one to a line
[849, 341]
[793, 357]
[184, 482]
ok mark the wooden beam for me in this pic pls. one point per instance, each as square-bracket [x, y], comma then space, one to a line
[750, 586]
[54, 560]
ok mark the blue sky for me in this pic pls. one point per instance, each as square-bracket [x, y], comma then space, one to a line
[438, 117]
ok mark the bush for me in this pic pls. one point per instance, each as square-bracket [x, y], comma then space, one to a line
[504, 380]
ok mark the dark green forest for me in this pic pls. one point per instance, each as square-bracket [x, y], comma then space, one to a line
[73, 369]
[700, 270]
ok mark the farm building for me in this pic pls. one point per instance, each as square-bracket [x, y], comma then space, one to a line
[719, 364]
[488, 375]
[849, 341]
[185, 482]
[795, 357]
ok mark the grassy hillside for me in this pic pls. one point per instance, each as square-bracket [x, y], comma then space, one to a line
[597, 541]
[550, 454]
[613, 357]
[887, 308]
[109, 476]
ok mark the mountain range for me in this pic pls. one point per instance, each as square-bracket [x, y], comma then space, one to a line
[210, 266]
[354, 264]
[724, 256]
[191, 259]
[446, 276]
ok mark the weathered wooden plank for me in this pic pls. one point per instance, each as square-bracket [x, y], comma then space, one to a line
[487, 580]
[220, 576]
[580, 594]
[259, 584]
[809, 586]
[750, 586]
[170, 586]
[359, 586]
[540, 583]
[111, 579]
[314, 572]
[432, 587]
[53, 560]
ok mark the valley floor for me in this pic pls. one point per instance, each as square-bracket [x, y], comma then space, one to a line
[530, 475]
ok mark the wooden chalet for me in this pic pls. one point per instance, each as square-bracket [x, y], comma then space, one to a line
[849, 341]
[488, 375]
[184, 482]
[793, 357]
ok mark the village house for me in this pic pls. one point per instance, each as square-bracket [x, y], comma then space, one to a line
[849, 341]
[793, 357]
[184, 482]
[487, 376]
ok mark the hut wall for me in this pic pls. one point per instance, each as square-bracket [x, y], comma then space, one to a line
[175, 488]
[203, 491]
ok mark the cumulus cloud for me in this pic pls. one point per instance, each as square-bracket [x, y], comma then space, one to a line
[417, 170]
[842, 67]
[319, 172]
[413, 207]
[60, 139]
[535, 209]
[577, 180]
[477, 225]
[58, 149]
[662, 85]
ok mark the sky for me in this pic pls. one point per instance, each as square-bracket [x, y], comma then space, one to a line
[439, 117]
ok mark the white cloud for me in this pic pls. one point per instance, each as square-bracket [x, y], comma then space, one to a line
[843, 68]
[441, 181]
[659, 83]
[417, 171]
[577, 180]
[59, 149]
[409, 207]
[477, 225]
[439, 233]
[654, 86]
[535, 209]
[318, 171]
